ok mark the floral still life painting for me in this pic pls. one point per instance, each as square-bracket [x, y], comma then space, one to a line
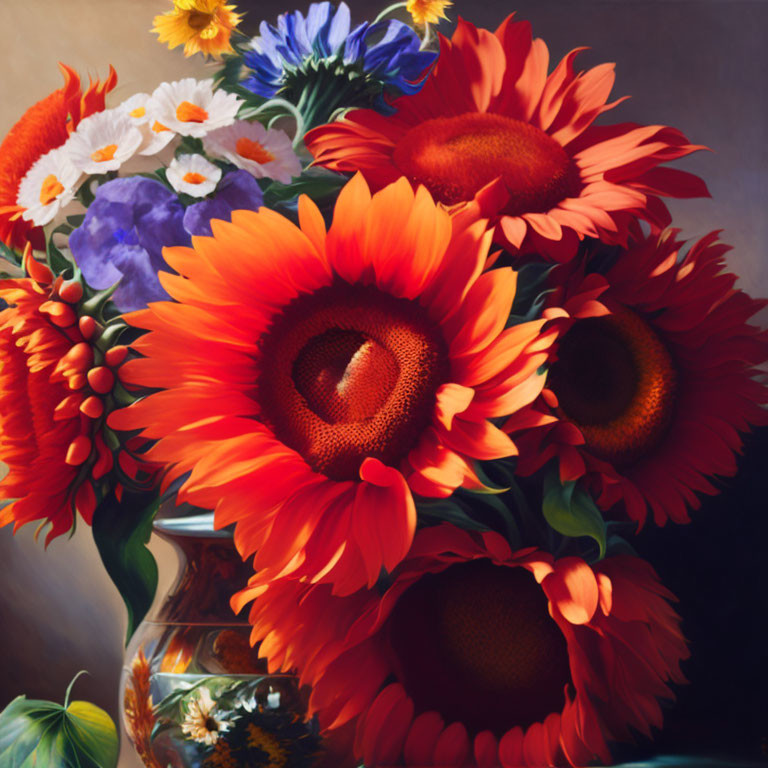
[400, 382]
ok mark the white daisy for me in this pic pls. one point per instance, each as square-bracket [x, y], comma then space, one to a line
[191, 107]
[103, 142]
[155, 135]
[266, 154]
[48, 186]
[193, 175]
[136, 108]
[199, 723]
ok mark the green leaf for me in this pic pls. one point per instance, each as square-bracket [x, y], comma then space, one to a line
[190, 146]
[229, 74]
[43, 734]
[9, 254]
[572, 512]
[315, 184]
[448, 511]
[121, 531]
[57, 260]
[474, 512]
[531, 293]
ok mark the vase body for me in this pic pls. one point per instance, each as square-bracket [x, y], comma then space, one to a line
[193, 692]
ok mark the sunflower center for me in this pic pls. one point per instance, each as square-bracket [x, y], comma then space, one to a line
[350, 372]
[211, 724]
[454, 157]
[199, 20]
[252, 150]
[50, 189]
[476, 643]
[615, 379]
[187, 112]
[105, 154]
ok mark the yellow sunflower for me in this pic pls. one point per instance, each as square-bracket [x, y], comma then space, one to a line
[427, 11]
[201, 26]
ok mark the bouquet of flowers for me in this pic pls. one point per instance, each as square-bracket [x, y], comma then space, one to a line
[407, 312]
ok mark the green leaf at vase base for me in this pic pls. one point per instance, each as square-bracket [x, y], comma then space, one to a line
[43, 734]
[121, 530]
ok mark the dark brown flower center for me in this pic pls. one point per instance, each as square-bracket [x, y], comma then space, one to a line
[476, 643]
[454, 157]
[615, 380]
[199, 20]
[350, 372]
[211, 724]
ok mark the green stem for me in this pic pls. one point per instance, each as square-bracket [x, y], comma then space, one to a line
[427, 39]
[69, 687]
[291, 110]
[389, 9]
[320, 100]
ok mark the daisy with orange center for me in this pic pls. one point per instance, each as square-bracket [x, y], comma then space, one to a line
[201, 26]
[104, 142]
[490, 129]
[263, 152]
[193, 175]
[49, 186]
[478, 657]
[314, 382]
[657, 371]
[191, 107]
[44, 127]
[155, 136]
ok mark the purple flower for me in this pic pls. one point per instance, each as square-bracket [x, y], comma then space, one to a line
[237, 190]
[131, 220]
[122, 238]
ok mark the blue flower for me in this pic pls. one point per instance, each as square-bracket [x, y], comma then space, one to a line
[132, 219]
[320, 63]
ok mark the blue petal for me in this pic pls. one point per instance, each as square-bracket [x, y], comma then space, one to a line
[339, 29]
[388, 51]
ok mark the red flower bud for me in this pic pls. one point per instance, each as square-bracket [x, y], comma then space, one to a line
[115, 356]
[79, 450]
[101, 379]
[88, 327]
[92, 407]
[71, 292]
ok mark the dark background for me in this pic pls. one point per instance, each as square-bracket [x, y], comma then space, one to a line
[699, 65]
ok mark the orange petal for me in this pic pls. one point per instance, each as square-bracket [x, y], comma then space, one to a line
[572, 590]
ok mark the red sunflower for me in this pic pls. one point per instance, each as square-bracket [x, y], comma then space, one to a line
[655, 376]
[52, 402]
[490, 129]
[478, 656]
[313, 382]
[45, 126]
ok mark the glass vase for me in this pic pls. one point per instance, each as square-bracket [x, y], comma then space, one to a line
[193, 692]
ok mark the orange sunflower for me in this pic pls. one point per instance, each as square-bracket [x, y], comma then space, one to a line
[43, 127]
[479, 657]
[656, 374]
[312, 382]
[52, 402]
[491, 130]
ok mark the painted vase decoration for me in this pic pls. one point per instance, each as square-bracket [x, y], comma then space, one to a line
[193, 692]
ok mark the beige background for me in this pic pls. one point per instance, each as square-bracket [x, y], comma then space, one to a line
[695, 65]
